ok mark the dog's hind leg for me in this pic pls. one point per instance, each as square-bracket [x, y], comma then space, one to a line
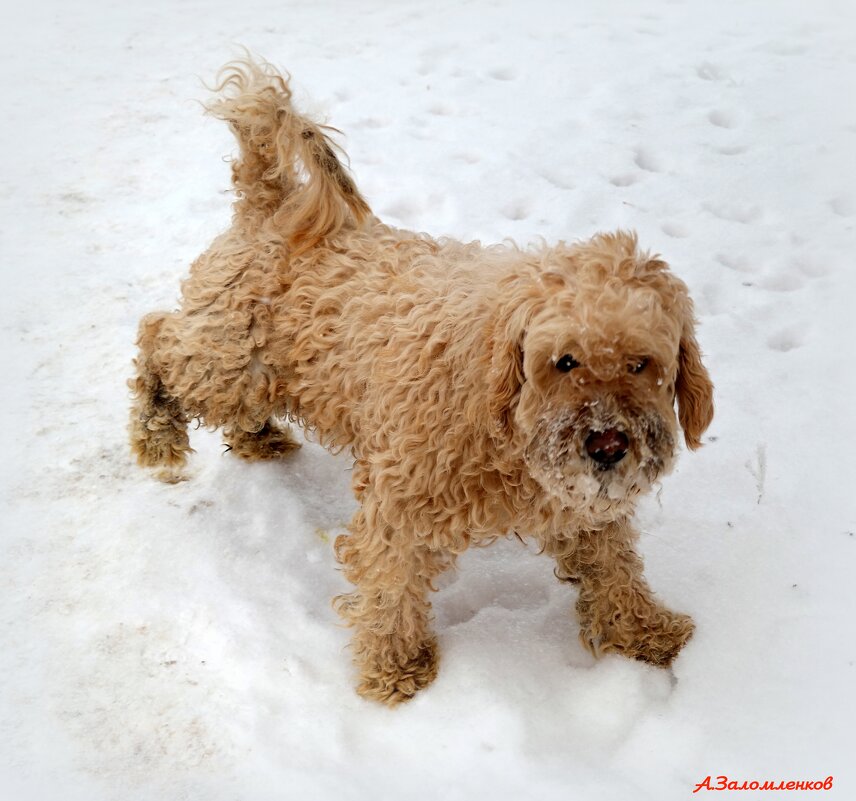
[158, 423]
[273, 441]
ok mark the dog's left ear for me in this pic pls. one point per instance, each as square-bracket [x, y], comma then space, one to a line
[693, 387]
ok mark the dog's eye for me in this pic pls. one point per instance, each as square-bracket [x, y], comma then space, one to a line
[567, 363]
[638, 366]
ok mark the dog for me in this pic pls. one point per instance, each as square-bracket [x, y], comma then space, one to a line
[482, 391]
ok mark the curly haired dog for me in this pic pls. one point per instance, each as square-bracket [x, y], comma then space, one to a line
[481, 390]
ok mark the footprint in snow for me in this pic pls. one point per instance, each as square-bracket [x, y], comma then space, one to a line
[403, 211]
[502, 74]
[710, 301]
[810, 268]
[517, 210]
[785, 340]
[736, 263]
[842, 206]
[709, 72]
[782, 282]
[371, 122]
[557, 180]
[461, 602]
[721, 119]
[675, 230]
[734, 211]
[783, 48]
[732, 150]
[646, 160]
[626, 179]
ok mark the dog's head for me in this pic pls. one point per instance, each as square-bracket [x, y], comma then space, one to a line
[590, 354]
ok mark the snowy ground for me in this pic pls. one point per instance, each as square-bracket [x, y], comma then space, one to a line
[177, 642]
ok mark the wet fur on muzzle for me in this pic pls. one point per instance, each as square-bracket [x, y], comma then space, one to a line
[556, 456]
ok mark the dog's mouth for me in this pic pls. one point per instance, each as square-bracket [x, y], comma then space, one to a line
[560, 456]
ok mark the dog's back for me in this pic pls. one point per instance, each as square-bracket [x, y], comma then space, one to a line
[291, 312]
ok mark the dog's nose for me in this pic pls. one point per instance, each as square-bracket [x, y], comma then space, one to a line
[607, 447]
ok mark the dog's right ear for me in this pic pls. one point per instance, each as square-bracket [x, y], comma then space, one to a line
[505, 380]
[503, 370]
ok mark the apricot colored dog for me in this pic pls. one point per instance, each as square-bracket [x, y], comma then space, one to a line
[481, 390]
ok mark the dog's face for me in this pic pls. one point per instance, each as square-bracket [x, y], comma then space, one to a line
[605, 350]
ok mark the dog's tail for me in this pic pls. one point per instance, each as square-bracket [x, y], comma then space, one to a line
[288, 167]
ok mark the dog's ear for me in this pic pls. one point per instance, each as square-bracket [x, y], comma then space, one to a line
[505, 380]
[502, 370]
[693, 387]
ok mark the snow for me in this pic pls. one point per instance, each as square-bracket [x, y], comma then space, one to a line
[177, 642]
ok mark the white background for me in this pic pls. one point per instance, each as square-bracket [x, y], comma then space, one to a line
[177, 642]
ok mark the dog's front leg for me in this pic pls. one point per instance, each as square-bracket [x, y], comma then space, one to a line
[616, 607]
[393, 645]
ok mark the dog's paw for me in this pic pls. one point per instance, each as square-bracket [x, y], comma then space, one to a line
[655, 638]
[394, 684]
[271, 442]
[663, 640]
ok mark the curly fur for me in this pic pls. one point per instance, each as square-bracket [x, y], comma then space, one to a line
[434, 362]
